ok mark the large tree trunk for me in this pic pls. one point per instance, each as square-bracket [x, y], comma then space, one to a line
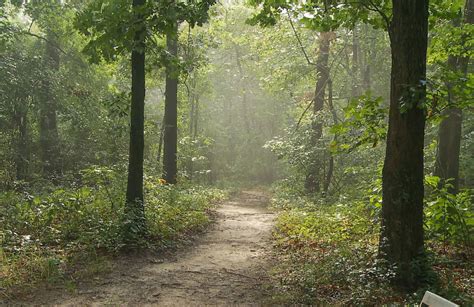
[401, 239]
[134, 209]
[450, 129]
[313, 177]
[170, 167]
[49, 138]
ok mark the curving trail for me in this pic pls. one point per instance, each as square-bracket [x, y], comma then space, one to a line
[227, 266]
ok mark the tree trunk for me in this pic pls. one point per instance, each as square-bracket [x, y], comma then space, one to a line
[330, 171]
[368, 58]
[23, 152]
[196, 118]
[355, 92]
[243, 88]
[170, 167]
[49, 138]
[313, 177]
[160, 141]
[134, 209]
[401, 238]
[191, 89]
[450, 129]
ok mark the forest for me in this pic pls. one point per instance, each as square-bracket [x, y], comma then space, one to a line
[236, 152]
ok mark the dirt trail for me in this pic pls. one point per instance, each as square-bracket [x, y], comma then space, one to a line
[227, 266]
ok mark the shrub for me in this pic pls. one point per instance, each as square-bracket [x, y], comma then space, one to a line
[45, 232]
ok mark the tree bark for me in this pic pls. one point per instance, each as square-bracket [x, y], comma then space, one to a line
[23, 152]
[450, 129]
[191, 89]
[49, 137]
[196, 118]
[355, 92]
[313, 177]
[160, 141]
[330, 171]
[134, 209]
[170, 167]
[368, 58]
[401, 238]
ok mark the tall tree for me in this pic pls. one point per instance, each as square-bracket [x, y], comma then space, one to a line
[449, 134]
[313, 177]
[23, 150]
[49, 138]
[135, 210]
[401, 238]
[170, 150]
[108, 40]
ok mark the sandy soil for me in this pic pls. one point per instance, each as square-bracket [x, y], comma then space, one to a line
[226, 266]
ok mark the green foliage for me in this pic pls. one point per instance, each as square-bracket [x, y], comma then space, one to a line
[49, 228]
[111, 25]
[364, 124]
[242, 105]
[326, 254]
[449, 217]
[196, 152]
[295, 149]
[173, 213]
[323, 16]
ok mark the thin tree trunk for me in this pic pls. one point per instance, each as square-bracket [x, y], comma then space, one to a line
[355, 63]
[368, 59]
[160, 141]
[49, 137]
[313, 177]
[243, 89]
[450, 129]
[170, 167]
[330, 172]
[23, 152]
[191, 89]
[401, 238]
[134, 209]
[196, 118]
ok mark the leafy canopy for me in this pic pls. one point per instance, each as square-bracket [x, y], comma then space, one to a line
[112, 24]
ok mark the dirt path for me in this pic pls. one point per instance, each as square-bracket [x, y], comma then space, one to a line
[226, 267]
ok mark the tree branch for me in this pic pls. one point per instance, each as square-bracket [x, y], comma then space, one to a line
[299, 40]
[312, 100]
[373, 7]
[44, 39]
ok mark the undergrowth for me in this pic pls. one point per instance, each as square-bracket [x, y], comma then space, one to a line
[64, 233]
[326, 253]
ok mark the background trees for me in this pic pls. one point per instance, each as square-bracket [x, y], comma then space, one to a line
[450, 129]
[308, 103]
[170, 119]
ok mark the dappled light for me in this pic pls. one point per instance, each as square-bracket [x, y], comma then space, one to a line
[194, 153]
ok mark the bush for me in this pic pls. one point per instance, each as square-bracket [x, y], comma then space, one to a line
[45, 232]
[449, 217]
[327, 253]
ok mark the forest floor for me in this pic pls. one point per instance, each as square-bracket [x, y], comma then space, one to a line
[225, 266]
